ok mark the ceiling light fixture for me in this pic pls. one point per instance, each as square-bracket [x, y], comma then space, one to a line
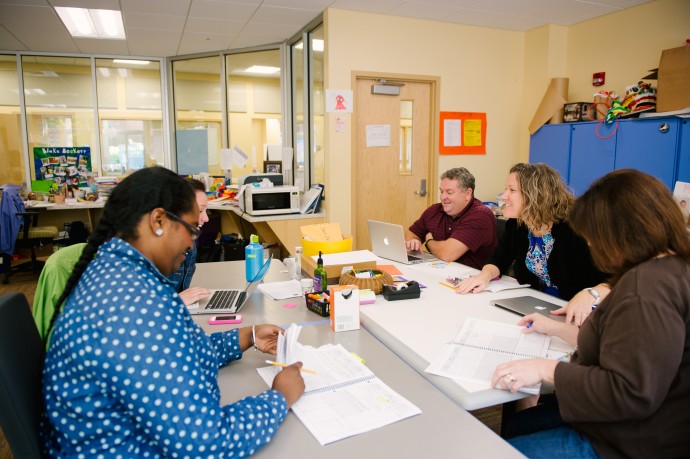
[92, 23]
[262, 69]
[130, 61]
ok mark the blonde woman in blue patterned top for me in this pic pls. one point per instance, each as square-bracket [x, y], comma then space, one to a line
[545, 251]
[128, 373]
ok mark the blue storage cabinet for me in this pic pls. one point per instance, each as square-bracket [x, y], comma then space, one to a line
[592, 154]
[552, 146]
[683, 169]
[583, 152]
[649, 145]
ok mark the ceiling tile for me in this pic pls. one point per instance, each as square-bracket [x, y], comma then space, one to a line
[379, 6]
[202, 42]
[568, 12]
[9, 42]
[214, 9]
[49, 43]
[312, 5]
[155, 43]
[514, 7]
[212, 26]
[96, 46]
[172, 7]
[153, 21]
[32, 14]
[275, 15]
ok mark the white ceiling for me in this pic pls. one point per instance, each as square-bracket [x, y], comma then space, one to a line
[158, 28]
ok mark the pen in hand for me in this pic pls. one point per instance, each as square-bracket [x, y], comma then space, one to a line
[276, 364]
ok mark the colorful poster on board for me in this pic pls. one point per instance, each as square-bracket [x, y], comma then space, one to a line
[70, 165]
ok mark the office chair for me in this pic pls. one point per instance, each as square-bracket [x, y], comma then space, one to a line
[31, 236]
[21, 364]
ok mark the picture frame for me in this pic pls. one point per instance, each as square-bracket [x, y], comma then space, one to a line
[273, 167]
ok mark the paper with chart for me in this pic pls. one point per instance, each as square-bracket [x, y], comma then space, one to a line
[344, 398]
[481, 345]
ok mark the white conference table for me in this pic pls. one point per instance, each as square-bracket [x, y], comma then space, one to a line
[443, 429]
[416, 329]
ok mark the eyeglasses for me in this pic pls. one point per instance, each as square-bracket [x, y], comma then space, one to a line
[194, 231]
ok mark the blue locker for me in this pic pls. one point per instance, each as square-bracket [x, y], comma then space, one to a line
[649, 145]
[593, 154]
[551, 145]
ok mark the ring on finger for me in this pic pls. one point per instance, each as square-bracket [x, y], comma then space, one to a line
[510, 377]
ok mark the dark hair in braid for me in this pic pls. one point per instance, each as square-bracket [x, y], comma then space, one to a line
[136, 196]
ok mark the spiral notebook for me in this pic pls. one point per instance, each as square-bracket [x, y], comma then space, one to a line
[481, 345]
[344, 397]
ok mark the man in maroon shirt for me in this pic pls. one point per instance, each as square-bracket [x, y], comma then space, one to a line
[459, 228]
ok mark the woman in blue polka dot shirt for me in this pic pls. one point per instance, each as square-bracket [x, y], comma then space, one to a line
[128, 373]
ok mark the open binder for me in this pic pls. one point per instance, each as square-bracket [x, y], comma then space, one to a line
[344, 397]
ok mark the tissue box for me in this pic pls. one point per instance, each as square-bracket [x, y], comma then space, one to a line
[344, 308]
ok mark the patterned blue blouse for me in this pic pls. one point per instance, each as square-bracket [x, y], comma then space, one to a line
[129, 374]
[537, 260]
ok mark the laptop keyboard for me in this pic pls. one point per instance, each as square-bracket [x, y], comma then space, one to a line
[222, 299]
[412, 258]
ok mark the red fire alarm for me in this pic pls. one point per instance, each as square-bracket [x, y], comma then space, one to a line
[598, 79]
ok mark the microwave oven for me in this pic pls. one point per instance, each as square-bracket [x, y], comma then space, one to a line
[270, 200]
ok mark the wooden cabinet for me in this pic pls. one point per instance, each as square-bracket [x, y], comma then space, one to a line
[583, 152]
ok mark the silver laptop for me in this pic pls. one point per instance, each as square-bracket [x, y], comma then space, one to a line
[525, 305]
[388, 241]
[230, 301]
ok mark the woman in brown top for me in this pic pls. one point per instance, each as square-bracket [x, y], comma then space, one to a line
[626, 390]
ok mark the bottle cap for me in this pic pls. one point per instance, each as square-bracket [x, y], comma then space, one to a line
[253, 238]
[319, 260]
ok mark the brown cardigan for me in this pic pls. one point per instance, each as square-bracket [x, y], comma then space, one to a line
[628, 388]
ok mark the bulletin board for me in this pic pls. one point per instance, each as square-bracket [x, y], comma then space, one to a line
[462, 133]
[64, 165]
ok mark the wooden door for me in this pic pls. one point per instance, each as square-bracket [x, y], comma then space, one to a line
[387, 179]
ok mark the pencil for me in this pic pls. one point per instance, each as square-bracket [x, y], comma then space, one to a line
[276, 364]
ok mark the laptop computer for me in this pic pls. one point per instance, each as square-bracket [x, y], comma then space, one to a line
[388, 241]
[525, 305]
[230, 301]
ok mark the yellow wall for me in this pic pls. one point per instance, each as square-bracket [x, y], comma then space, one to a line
[499, 72]
[480, 70]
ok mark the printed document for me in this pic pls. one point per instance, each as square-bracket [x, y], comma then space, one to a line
[344, 397]
[481, 345]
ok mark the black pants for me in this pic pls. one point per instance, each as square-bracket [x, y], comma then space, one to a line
[544, 416]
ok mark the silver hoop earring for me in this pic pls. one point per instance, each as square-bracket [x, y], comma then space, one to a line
[159, 232]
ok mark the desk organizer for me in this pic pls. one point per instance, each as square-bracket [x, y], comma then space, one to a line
[411, 291]
[321, 307]
[372, 283]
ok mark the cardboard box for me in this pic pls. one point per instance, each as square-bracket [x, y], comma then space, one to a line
[334, 263]
[344, 308]
[673, 85]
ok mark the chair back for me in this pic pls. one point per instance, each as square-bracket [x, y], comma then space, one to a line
[21, 364]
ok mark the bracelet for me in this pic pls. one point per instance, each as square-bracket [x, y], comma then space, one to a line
[254, 338]
[426, 244]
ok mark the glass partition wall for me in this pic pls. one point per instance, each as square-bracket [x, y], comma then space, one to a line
[126, 115]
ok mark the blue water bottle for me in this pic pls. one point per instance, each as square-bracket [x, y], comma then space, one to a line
[253, 257]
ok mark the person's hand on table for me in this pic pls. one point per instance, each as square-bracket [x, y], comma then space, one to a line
[520, 373]
[290, 383]
[473, 284]
[538, 323]
[414, 244]
[266, 336]
[577, 309]
[194, 294]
